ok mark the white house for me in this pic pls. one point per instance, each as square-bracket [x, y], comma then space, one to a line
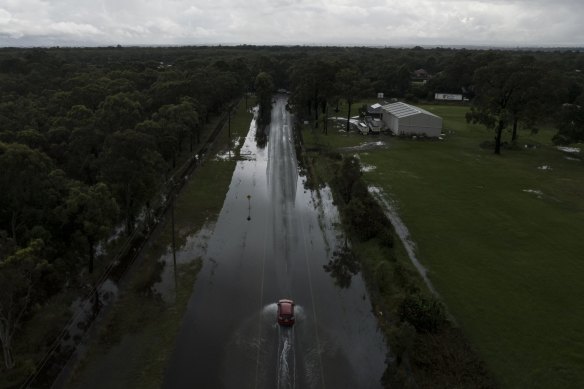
[405, 119]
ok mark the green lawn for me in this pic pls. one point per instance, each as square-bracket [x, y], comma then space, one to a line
[502, 237]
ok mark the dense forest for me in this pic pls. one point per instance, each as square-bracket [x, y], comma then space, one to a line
[89, 136]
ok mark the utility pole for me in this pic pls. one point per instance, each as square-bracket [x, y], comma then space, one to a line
[172, 194]
[248, 207]
[229, 123]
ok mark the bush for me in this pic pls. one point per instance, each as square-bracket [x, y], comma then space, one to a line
[386, 237]
[425, 314]
[382, 276]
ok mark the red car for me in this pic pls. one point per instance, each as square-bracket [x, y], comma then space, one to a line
[286, 312]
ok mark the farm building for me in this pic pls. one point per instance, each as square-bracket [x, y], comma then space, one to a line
[404, 119]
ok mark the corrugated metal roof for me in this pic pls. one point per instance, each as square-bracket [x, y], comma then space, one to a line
[401, 110]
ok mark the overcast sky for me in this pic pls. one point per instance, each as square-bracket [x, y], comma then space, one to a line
[313, 22]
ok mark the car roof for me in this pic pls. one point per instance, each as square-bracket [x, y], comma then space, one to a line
[286, 309]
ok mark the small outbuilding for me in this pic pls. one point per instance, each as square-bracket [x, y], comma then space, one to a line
[375, 110]
[404, 119]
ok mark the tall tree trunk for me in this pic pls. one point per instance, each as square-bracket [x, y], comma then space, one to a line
[13, 225]
[316, 108]
[6, 348]
[96, 299]
[91, 254]
[95, 286]
[6, 340]
[499, 132]
[325, 124]
[316, 114]
[514, 134]
[129, 212]
[349, 116]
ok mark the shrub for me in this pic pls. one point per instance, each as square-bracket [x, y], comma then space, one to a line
[425, 314]
[386, 237]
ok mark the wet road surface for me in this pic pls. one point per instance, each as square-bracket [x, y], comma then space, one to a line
[271, 241]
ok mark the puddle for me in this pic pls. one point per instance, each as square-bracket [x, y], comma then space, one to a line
[194, 247]
[574, 150]
[365, 146]
[536, 192]
[228, 155]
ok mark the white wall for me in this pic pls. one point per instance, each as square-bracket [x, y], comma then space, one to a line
[420, 124]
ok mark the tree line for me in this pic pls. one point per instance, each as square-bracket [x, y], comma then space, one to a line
[507, 90]
[89, 135]
[87, 140]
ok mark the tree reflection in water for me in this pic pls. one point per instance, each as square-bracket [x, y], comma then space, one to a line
[343, 266]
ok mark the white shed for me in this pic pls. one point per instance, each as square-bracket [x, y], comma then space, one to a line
[405, 119]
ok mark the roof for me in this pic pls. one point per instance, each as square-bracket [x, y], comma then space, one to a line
[286, 307]
[402, 110]
[375, 108]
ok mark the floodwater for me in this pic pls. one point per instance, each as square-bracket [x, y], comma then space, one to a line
[403, 233]
[271, 241]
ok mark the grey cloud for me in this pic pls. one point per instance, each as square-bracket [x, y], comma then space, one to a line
[512, 22]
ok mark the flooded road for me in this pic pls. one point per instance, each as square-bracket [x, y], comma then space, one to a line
[271, 241]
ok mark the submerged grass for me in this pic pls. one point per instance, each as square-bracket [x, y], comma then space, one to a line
[136, 338]
[501, 237]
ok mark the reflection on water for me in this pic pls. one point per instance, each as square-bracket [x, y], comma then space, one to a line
[343, 266]
[230, 153]
[194, 247]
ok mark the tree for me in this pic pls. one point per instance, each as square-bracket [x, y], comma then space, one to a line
[343, 266]
[347, 84]
[180, 120]
[264, 87]
[347, 178]
[504, 94]
[19, 273]
[165, 139]
[119, 112]
[133, 168]
[24, 178]
[92, 212]
[570, 124]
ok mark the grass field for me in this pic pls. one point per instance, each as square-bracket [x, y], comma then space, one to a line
[502, 237]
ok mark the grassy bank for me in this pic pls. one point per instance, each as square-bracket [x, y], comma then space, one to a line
[427, 350]
[135, 339]
[501, 237]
